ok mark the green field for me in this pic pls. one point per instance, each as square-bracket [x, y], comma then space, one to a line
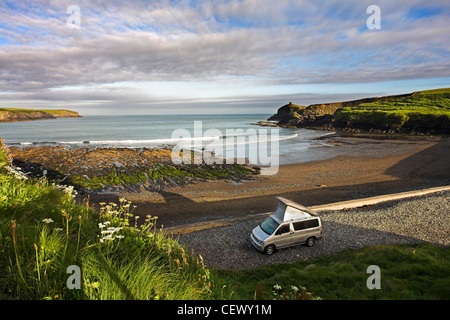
[424, 111]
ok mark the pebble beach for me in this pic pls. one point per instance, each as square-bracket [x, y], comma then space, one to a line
[411, 221]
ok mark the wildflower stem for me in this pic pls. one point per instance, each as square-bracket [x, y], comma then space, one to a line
[37, 262]
[78, 240]
[67, 233]
[14, 237]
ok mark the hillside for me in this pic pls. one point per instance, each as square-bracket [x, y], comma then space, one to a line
[9, 114]
[421, 112]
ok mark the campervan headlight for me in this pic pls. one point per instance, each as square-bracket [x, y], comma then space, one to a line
[257, 240]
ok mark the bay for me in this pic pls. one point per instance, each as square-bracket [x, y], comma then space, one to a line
[292, 145]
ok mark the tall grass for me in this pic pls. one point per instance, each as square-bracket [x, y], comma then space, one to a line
[40, 227]
[118, 260]
[132, 261]
[43, 231]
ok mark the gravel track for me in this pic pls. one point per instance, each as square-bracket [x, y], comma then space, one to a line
[415, 220]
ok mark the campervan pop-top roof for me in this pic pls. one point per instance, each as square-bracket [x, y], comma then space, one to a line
[288, 210]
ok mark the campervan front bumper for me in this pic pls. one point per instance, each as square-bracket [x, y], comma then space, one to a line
[257, 243]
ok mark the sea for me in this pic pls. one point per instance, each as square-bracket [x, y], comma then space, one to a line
[227, 136]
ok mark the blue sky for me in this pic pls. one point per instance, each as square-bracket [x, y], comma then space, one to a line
[217, 56]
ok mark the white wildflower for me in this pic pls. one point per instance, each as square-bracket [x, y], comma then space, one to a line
[18, 174]
[70, 190]
[277, 287]
[108, 234]
[48, 220]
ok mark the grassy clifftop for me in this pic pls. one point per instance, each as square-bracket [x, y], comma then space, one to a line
[10, 114]
[422, 112]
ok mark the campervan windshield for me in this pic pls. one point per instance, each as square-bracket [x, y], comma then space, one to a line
[269, 225]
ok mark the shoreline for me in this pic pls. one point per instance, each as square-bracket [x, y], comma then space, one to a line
[354, 167]
[341, 178]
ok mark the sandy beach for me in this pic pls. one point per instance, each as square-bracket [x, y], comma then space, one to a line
[365, 167]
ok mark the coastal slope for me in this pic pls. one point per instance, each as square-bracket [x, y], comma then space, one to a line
[10, 115]
[420, 112]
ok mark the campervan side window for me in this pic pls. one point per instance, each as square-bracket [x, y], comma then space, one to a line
[283, 229]
[312, 223]
[306, 224]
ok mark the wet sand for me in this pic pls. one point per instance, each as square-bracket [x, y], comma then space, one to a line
[363, 167]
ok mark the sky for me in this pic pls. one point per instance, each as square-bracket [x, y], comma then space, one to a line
[217, 56]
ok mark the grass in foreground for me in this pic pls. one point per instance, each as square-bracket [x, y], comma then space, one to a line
[407, 272]
[43, 232]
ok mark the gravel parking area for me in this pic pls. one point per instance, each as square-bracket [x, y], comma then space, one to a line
[415, 220]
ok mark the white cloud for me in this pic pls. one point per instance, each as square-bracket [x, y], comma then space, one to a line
[251, 43]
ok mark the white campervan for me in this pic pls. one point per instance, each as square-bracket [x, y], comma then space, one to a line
[291, 224]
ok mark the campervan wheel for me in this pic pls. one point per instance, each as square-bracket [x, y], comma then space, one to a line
[269, 249]
[310, 241]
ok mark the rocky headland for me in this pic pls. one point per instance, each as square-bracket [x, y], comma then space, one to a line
[11, 115]
[422, 112]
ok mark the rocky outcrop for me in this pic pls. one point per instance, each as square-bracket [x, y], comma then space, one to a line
[121, 169]
[417, 113]
[10, 115]
[318, 115]
[287, 110]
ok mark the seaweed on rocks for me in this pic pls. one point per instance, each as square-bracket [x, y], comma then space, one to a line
[121, 169]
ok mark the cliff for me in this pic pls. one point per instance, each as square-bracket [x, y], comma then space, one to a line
[9, 115]
[422, 112]
[291, 115]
